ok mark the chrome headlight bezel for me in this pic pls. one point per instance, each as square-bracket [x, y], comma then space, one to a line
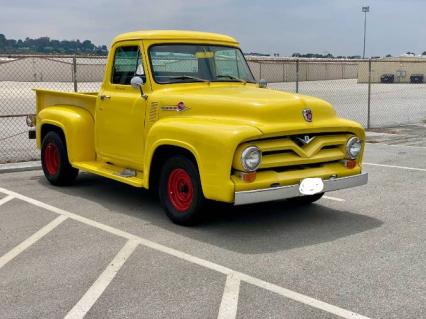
[244, 156]
[350, 144]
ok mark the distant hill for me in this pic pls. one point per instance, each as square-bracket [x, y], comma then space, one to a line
[45, 45]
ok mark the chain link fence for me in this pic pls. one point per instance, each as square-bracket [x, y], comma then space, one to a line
[353, 87]
[358, 89]
[19, 75]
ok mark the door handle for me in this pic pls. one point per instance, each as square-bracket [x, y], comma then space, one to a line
[105, 97]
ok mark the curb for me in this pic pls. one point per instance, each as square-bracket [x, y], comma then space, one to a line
[20, 167]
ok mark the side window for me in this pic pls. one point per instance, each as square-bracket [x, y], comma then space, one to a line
[127, 64]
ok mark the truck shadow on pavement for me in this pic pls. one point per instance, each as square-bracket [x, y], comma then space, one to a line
[251, 229]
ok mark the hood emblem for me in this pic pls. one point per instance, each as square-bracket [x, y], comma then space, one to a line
[304, 140]
[307, 115]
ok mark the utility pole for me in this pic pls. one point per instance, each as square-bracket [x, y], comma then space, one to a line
[365, 10]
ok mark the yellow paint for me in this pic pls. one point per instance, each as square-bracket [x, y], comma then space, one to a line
[104, 137]
[110, 171]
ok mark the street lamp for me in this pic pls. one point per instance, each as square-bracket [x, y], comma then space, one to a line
[365, 10]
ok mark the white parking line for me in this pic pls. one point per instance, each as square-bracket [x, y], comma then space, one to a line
[229, 304]
[395, 166]
[31, 240]
[99, 286]
[396, 145]
[6, 199]
[202, 262]
[334, 198]
[301, 298]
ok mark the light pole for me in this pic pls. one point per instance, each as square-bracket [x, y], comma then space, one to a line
[365, 10]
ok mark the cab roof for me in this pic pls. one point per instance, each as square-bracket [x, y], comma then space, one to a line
[174, 35]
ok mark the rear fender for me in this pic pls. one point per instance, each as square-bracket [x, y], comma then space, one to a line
[77, 125]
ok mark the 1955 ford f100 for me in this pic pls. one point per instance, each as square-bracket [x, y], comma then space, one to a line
[180, 112]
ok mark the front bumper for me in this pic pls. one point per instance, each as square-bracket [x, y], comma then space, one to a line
[283, 192]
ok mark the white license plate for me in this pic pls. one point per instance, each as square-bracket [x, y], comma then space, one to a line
[311, 186]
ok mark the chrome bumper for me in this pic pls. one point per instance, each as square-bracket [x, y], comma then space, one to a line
[283, 192]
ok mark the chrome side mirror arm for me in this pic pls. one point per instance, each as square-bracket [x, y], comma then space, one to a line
[137, 82]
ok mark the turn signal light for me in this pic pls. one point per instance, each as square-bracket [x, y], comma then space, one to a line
[350, 163]
[248, 177]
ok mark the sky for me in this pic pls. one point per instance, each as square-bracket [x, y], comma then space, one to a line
[269, 26]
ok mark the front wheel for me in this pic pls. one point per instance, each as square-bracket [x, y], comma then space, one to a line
[54, 160]
[180, 191]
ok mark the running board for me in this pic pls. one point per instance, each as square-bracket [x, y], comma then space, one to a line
[124, 175]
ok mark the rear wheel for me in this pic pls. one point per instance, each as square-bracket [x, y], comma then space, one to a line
[306, 200]
[54, 159]
[180, 191]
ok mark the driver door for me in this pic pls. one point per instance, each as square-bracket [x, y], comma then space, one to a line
[120, 116]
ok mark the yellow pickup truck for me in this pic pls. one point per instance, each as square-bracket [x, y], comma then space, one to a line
[180, 112]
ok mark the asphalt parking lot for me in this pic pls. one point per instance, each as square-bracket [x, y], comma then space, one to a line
[100, 249]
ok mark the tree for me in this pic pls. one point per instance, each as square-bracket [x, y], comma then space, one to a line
[2, 41]
[47, 45]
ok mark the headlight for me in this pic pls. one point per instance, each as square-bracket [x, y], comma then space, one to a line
[353, 147]
[251, 158]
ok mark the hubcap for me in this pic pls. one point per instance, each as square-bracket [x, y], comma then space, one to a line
[180, 190]
[51, 159]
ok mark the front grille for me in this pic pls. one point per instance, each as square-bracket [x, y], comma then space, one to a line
[301, 150]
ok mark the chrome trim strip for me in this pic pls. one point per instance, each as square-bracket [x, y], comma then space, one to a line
[283, 192]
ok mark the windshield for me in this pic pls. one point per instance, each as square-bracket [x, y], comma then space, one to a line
[182, 63]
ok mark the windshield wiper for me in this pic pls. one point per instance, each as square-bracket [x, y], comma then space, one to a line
[187, 77]
[231, 77]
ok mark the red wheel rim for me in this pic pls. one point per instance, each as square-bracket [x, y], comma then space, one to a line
[180, 189]
[51, 158]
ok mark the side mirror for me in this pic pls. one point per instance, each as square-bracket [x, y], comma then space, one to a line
[136, 82]
[262, 83]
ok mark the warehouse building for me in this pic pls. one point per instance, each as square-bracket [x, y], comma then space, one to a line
[394, 70]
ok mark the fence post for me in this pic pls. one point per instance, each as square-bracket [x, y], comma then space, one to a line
[74, 72]
[369, 94]
[260, 70]
[297, 76]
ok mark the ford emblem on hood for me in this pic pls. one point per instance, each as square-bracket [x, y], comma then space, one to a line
[307, 115]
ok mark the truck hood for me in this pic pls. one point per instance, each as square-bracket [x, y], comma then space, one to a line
[270, 111]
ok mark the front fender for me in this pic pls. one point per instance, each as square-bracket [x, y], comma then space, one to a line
[212, 142]
[78, 127]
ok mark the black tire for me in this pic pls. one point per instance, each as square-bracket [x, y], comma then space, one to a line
[180, 191]
[305, 200]
[54, 159]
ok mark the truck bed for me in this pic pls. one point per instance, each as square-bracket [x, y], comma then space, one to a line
[46, 98]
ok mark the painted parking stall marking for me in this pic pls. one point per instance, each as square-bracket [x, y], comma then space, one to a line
[334, 198]
[396, 166]
[96, 290]
[229, 304]
[31, 240]
[6, 199]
